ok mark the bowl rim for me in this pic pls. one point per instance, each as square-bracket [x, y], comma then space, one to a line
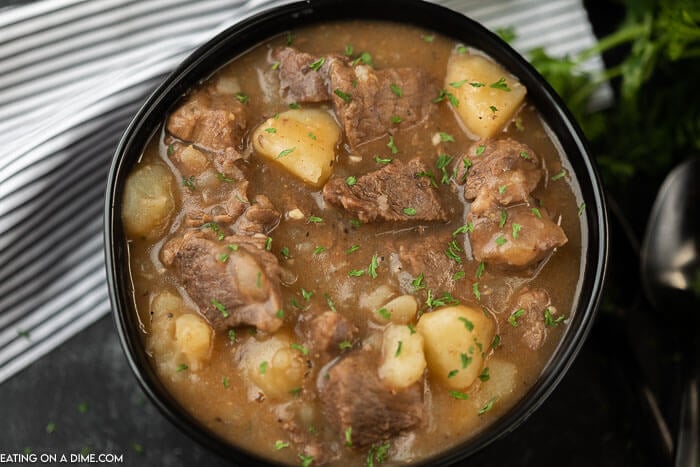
[244, 35]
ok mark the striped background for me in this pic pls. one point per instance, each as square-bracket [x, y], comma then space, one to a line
[72, 73]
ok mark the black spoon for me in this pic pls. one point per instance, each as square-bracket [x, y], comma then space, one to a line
[670, 269]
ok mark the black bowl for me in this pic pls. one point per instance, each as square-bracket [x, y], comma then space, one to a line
[249, 33]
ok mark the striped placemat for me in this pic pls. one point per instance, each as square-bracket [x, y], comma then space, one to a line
[72, 73]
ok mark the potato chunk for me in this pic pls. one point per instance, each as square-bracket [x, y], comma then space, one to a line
[303, 141]
[488, 95]
[194, 338]
[403, 362]
[456, 341]
[274, 366]
[148, 202]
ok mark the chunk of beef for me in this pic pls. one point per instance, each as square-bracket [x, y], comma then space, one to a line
[426, 256]
[259, 218]
[326, 332]
[234, 281]
[354, 397]
[506, 172]
[531, 324]
[392, 193]
[514, 237]
[298, 81]
[209, 120]
[366, 100]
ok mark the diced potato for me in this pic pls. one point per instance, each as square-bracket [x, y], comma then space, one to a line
[402, 309]
[303, 141]
[403, 362]
[456, 341]
[501, 382]
[274, 366]
[165, 307]
[148, 202]
[488, 96]
[192, 161]
[375, 299]
[194, 339]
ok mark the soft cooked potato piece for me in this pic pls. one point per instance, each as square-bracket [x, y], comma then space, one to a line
[403, 362]
[400, 310]
[194, 339]
[303, 141]
[488, 95]
[501, 382]
[456, 339]
[193, 161]
[148, 202]
[274, 365]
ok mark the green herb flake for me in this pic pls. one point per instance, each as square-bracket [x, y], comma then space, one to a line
[316, 65]
[280, 313]
[242, 98]
[263, 367]
[344, 96]
[465, 359]
[377, 453]
[384, 313]
[476, 84]
[352, 249]
[380, 160]
[365, 58]
[537, 213]
[502, 189]
[398, 349]
[496, 341]
[457, 84]
[372, 268]
[275, 66]
[493, 108]
[225, 382]
[290, 38]
[480, 270]
[467, 324]
[223, 178]
[285, 152]
[581, 209]
[50, 427]
[513, 318]
[480, 149]
[411, 328]
[462, 49]
[392, 146]
[285, 252]
[501, 240]
[232, 335]
[82, 407]
[475, 290]
[452, 373]
[171, 150]
[396, 89]
[304, 351]
[428, 38]
[315, 220]
[500, 84]
[484, 376]
[458, 275]
[446, 137]
[345, 345]
[524, 155]
[181, 367]
[306, 461]
[419, 282]
[268, 243]
[279, 444]
[409, 211]
[349, 49]
[295, 392]
[355, 223]
[460, 230]
[504, 217]
[396, 119]
[453, 251]
[319, 249]
[189, 182]
[549, 320]
[312, 136]
[293, 106]
[348, 436]
[487, 407]
[459, 395]
[558, 175]
[306, 294]
[516, 230]
[330, 303]
[219, 306]
[351, 180]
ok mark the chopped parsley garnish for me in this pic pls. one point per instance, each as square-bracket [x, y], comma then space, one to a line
[480, 270]
[446, 137]
[285, 252]
[290, 38]
[219, 306]
[223, 178]
[409, 211]
[319, 249]
[418, 283]
[293, 106]
[559, 175]
[348, 436]
[524, 155]
[462, 49]
[351, 180]
[356, 272]
[428, 38]
[329, 301]
[496, 341]
[452, 373]
[372, 268]
[295, 393]
[232, 247]
[275, 65]
[380, 160]
[377, 453]
[258, 280]
[365, 58]
[312, 136]
[268, 243]
[457, 84]
[316, 65]
[411, 328]
[398, 349]
[392, 146]
[352, 249]
[171, 149]
[396, 119]
[279, 444]
[446, 299]
[50, 427]
[500, 84]
[549, 320]
[232, 335]
[82, 407]
[459, 395]
[460, 230]
[516, 230]
[513, 318]
[306, 460]
[502, 189]
[465, 359]
[181, 367]
[487, 407]
[581, 209]
[475, 290]
[280, 313]
[493, 108]
[242, 98]
[501, 240]
[484, 376]
[223, 257]
[467, 324]
[446, 95]
[315, 220]
[396, 89]
[349, 49]
[345, 345]
[355, 223]
[537, 213]
[345, 96]
[430, 175]
[458, 275]
[384, 313]
[307, 294]
[476, 84]
[189, 182]
[263, 367]
[304, 351]
[504, 217]
[442, 162]
[480, 149]
[453, 251]
[285, 152]
[225, 382]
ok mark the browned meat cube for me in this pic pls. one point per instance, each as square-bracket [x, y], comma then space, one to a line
[209, 120]
[368, 102]
[327, 332]
[514, 237]
[299, 81]
[354, 397]
[259, 218]
[392, 193]
[530, 321]
[234, 281]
